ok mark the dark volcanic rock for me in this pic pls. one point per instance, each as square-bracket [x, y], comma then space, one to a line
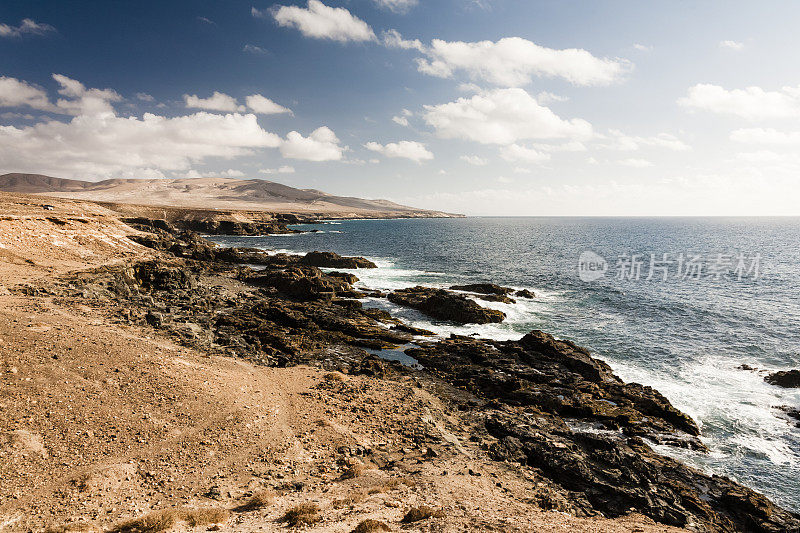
[791, 412]
[525, 293]
[344, 276]
[555, 408]
[784, 378]
[496, 298]
[544, 402]
[211, 226]
[332, 260]
[444, 305]
[305, 283]
[483, 288]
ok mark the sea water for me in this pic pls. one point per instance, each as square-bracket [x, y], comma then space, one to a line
[675, 303]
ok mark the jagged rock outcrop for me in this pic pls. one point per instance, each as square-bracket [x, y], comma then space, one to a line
[332, 260]
[555, 408]
[445, 305]
[483, 288]
[784, 378]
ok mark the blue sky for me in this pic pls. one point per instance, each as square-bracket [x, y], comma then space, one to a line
[483, 107]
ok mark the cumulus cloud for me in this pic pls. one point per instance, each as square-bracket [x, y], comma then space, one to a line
[319, 21]
[18, 93]
[516, 152]
[285, 169]
[731, 45]
[502, 116]
[766, 136]
[621, 141]
[636, 163]
[144, 97]
[264, 106]
[412, 150]
[26, 27]
[474, 160]
[402, 118]
[393, 39]
[216, 102]
[642, 47]
[513, 61]
[79, 99]
[321, 145]
[753, 103]
[96, 143]
[397, 6]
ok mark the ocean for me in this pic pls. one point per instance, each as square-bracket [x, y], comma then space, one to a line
[675, 303]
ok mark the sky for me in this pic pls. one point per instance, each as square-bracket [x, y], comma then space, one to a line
[482, 107]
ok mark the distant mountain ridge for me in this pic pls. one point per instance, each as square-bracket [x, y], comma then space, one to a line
[211, 193]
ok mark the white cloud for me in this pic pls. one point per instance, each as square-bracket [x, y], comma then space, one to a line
[17, 93]
[469, 88]
[731, 45]
[620, 141]
[264, 106]
[230, 173]
[766, 156]
[474, 160]
[144, 97]
[97, 143]
[752, 103]
[83, 101]
[766, 136]
[397, 6]
[402, 118]
[502, 116]
[26, 27]
[319, 21]
[285, 169]
[321, 145]
[503, 179]
[206, 20]
[642, 47]
[79, 99]
[412, 150]
[636, 163]
[522, 170]
[512, 61]
[216, 102]
[393, 39]
[516, 152]
[253, 49]
[545, 97]
[572, 146]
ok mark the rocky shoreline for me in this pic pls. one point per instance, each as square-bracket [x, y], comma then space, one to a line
[543, 403]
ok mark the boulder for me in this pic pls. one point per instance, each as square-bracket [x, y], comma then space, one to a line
[525, 293]
[445, 305]
[483, 288]
[332, 260]
[788, 379]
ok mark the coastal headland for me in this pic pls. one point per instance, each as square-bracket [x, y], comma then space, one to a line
[151, 381]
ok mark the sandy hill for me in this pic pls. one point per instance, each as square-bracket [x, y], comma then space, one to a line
[216, 193]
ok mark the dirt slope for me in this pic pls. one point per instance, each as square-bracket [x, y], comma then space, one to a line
[103, 421]
[216, 193]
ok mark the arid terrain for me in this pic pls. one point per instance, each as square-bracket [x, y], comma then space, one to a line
[254, 195]
[117, 420]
